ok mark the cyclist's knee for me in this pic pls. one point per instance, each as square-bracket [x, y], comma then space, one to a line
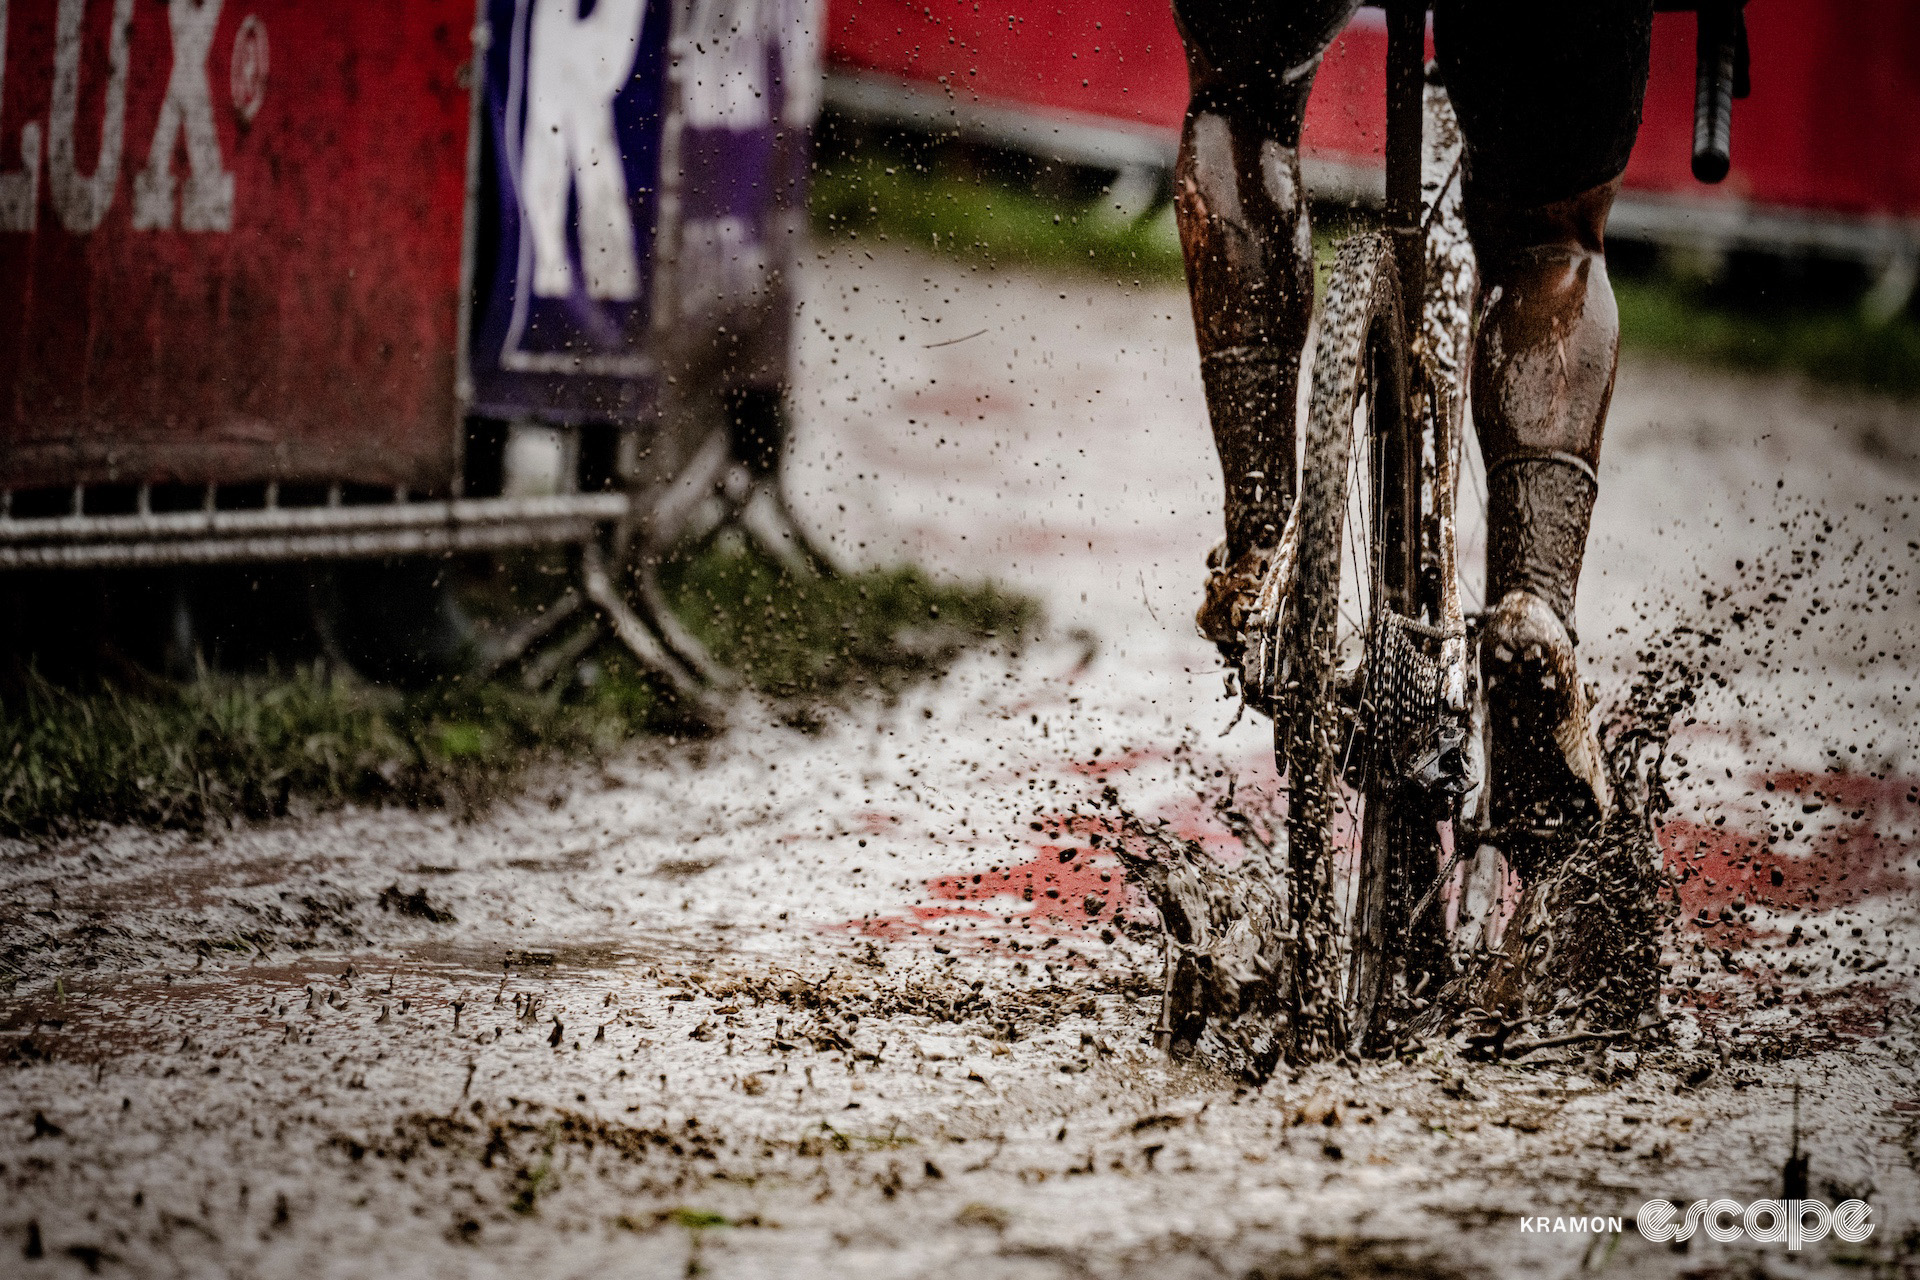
[1504, 231]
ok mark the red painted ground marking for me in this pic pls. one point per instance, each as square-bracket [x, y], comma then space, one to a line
[1052, 894]
[964, 404]
[1057, 890]
[1044, 894]
[1080, 824]
[894, 928]
[1822, 868]
[885, 928]
[1877, 796]
[1188, 819]
[1858, 1010]
[1817, 870]
[1840, 867]
[1824, 1019]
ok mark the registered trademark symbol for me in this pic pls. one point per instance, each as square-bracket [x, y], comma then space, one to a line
[249, 67]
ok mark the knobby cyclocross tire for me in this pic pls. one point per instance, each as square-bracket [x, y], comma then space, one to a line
[1443, 346]
[1362, 452]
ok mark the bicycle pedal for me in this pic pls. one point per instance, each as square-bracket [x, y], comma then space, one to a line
[1263, 670]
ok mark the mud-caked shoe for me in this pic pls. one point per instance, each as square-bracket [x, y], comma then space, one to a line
[1231, 588]
[1547, 773]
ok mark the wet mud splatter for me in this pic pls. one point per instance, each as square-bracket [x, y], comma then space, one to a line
[885, 984]
[1227, 959]
[1631, 925]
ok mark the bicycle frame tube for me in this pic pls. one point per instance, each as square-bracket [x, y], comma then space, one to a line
[1406, 220]
[1406, 108]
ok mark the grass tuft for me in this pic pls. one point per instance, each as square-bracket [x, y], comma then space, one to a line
[984, 215]
[255, 746]
[880, 629]
[1827, 340]
[262, 745]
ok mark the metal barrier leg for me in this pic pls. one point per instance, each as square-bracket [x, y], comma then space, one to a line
[651, 604]
[517, 645]
[546, 666]
[180, 650]
[639, 639]
[769, 521]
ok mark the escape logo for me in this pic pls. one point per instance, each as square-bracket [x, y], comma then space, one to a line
[1794, 1222]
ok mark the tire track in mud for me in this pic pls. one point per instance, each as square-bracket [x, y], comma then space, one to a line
[704, 956]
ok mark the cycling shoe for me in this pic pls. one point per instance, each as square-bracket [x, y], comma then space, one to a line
[1230, 591]
[1548, 776]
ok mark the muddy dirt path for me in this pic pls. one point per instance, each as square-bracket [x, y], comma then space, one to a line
[856, 1002]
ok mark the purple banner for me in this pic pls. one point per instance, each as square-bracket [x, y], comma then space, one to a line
[642, 189]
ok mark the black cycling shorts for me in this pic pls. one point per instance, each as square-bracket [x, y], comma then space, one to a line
[1548, 91]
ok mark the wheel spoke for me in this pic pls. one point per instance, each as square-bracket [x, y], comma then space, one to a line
[1359, 490]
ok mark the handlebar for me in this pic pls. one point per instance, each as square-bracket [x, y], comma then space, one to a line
[1721, 74]
[1720, 52]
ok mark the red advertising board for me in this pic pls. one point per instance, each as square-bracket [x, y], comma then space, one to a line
[1828, 130]
[230, 241]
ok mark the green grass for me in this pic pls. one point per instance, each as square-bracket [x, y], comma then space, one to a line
[823, 636]
[998, 211]
[891, 195]
[263, 745]
[1827, 340]
[255, 745]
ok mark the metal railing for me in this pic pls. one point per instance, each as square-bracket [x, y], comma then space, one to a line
[211, 535]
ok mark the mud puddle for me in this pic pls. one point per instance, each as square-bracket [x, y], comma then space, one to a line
[873, 1000]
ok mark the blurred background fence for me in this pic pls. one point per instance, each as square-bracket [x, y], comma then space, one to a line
[1823, 161]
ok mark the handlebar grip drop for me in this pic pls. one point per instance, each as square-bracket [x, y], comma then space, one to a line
[1717, 52]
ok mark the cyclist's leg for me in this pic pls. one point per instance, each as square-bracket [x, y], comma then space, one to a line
[1549, 102]
[1242, 213]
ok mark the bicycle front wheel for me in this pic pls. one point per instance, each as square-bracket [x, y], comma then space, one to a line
[1359, 565]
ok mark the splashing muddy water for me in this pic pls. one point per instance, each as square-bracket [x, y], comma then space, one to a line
[1581, 956]
[873, 999]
